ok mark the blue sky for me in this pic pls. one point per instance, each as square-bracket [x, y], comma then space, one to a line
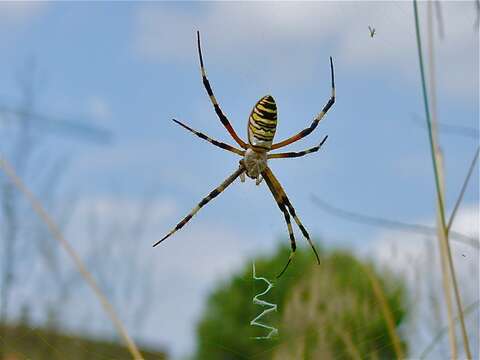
[132, 67]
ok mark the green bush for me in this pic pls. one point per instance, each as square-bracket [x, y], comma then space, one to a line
[326, 311]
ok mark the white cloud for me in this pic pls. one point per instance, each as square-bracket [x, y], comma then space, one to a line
[19, 12]
[467, 221]
[277, 36]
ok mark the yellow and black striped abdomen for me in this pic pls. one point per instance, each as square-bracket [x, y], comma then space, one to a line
[262, 123]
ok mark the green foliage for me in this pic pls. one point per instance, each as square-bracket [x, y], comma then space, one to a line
[334, 313]
[324, 311]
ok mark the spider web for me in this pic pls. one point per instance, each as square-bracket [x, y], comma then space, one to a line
[269, 308]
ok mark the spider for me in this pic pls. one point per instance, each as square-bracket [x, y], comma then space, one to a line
[262, 124]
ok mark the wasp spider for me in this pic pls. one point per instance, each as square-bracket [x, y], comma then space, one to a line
[262, 124]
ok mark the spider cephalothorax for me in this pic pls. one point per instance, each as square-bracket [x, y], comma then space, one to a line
[262, 124]
[254, 162]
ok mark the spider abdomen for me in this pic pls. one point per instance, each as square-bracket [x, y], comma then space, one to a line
[262, 123]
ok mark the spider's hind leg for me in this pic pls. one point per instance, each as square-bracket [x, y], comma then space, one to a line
[292, 239]
[283, 202]
[302, 228]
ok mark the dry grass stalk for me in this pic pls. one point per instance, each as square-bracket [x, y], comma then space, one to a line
[446, 279]
[447, 286]
[387, 312]
[347, 341]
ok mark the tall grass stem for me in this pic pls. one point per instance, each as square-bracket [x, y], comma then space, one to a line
[440, 199]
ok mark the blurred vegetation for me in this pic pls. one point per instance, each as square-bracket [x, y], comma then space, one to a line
[25, 342]
[327, 311]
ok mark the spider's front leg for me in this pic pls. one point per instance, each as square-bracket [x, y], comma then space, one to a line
[210, 140]
[315, 121]
[213, 194]
[223, 119]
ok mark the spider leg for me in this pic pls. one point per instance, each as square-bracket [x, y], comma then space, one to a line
[281, 198]
[297, 154]
[292, 240]
[281, 205]
[315, 121]
[259, 177]
[214, 101]
[204, 201]
[212, 141]
[302, 228]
